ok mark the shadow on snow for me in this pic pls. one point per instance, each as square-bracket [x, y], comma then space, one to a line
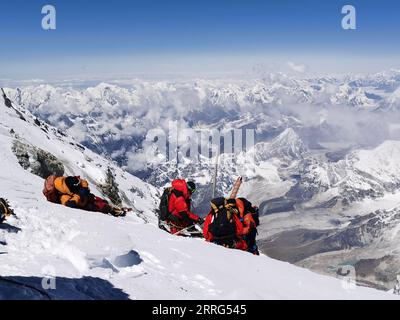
[86, 288]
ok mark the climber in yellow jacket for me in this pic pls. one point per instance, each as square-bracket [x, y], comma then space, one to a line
[73, 191]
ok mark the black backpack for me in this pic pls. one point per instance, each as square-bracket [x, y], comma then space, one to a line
[248, 207]
[223, 225]
[163, 212]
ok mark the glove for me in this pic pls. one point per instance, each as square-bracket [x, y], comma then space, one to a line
[84, 193]
[71, 204]
[116, 212]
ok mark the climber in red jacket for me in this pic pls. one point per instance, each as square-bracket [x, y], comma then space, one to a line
[179, 206]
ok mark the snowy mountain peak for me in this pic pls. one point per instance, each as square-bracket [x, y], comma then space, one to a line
[286, 146]
[288, 136]
[381, 163]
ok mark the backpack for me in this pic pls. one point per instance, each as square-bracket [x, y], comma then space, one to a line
[5, 210]
[50, 191]
[248, 207]
[222, 226]
[163, 212]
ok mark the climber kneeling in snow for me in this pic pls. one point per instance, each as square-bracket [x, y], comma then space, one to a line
[175, 206]
[74, 192]
[222, 225]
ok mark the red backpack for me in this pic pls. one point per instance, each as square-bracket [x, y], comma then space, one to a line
[50, 191]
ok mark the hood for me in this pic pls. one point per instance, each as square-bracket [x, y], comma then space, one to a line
[180, 185]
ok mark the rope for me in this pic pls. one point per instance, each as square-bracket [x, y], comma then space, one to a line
[178, 227]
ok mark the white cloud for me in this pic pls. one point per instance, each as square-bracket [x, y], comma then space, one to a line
[121, 114]
[300, 68]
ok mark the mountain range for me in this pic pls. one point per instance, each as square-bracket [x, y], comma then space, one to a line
[323, 170]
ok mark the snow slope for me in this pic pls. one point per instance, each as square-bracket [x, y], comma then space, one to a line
[97, 256]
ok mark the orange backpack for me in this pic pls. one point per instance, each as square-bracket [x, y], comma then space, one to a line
[50, 191]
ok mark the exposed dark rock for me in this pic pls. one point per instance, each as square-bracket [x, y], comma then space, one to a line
[110, 188]
[37, 122]
[137, 191]
[37, 161]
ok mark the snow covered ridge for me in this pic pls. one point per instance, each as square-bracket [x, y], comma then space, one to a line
[361, 174]
[33, 142]
[88, 255]
[113, 118]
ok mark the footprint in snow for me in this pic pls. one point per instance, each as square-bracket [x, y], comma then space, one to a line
[130, 259]
[102, 263]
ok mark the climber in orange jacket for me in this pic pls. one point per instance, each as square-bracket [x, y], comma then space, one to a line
[248, 216]
[73, 191]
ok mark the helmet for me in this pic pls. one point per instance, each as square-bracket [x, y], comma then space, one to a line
[191, 187]
[73, 183]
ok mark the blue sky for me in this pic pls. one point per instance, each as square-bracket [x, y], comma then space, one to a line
[123, 37]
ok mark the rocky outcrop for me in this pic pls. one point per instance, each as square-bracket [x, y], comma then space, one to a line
[110, 188]
[37, 161]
